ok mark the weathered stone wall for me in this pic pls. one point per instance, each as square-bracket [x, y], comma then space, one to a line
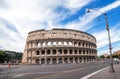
[55, 46]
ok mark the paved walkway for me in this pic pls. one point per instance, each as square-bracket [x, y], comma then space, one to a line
[105, 74]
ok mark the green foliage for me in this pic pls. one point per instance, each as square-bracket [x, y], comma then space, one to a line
[9, 55]
[102, 56]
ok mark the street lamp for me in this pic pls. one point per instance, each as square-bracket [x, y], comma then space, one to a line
[107, 28]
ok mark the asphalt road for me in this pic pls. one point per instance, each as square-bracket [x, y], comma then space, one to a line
[58, 71]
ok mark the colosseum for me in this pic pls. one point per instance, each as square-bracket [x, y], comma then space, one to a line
[59, 46]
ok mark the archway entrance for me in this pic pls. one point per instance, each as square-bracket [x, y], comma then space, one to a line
[54, 60]
[48, 61]
[37, 61]
[60, 60]
[42, 61]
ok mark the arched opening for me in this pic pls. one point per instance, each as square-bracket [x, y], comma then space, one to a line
[70, 43]
[48, 52]
[54, 51]
[43, 44]
[60, 60]
[60, 51]
[42, 61]
[75, 51]
[79, 43]
[49, 43]
[54, 61]
[65, 51]
[60, 43]
[80, 59]
[38, 44]
[43, 52]
[37, 53]
[54, 43]
[75, 44]
[71, 60]
[48, 61]
[37, 61]
[76, 60]
[65, 43]
[79, 51]
[70, 52]
[65, 60]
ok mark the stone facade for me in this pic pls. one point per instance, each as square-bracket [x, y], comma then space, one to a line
[59, 46]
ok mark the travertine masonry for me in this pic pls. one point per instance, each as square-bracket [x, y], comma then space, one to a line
[59, 46]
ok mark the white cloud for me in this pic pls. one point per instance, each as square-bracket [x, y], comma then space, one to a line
[102, 39]
[28, 15]
[84, 22]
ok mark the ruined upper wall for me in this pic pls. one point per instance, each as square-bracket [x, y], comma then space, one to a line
[60, 34]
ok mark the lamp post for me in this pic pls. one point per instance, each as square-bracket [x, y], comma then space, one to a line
[111, 69]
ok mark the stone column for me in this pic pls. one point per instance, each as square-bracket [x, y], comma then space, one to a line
[78, 60]
[63, 60]
[73, 59]
[82, 59]
[57, 60]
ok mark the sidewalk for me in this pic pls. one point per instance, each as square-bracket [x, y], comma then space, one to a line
[105, 74]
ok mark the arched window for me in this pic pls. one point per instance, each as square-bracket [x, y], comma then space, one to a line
[59, 43]
[75, 51]
[54, 43]
[54, 51]
[65, 51]
[48, 52]
[75, 44]
[37, 53]
[70, 43]
[79, 43]
[49, 44]
[43, 52]
[60, 51]
[38, 45]
[43, 43]
[65, 43]
[70, 51]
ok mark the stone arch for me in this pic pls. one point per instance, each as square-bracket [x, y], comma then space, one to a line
[75, 51]
[48, 60]
[71, 60]
[65, 51]
[75, 43]
[65, 60]
[42, 61]
[60, 60]
[65, 43]
[37, 52]
[54, 43]
[60, 51]
[37, 61]
[44, 44]
[49, 43]
[38, 44]
[54, 51]
[70, 51]
[54, 61]
[48, 52]
[76, 59]
[60, 43]
[43, 52]
[70, 43]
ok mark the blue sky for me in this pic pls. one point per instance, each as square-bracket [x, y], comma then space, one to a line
[18, 17]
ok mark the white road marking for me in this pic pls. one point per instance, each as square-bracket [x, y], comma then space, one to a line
[90, 75]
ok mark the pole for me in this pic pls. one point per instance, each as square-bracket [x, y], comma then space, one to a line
[111, 69]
